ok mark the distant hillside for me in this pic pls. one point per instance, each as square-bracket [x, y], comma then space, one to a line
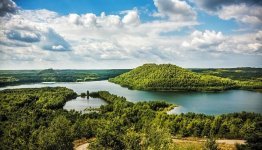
[47, 71]
[48, 75]
[169, 77]
[242, 73]
[14, 77]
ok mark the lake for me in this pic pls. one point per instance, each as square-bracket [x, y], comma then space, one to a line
[198, 102]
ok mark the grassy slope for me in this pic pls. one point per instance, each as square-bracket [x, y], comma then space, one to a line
[171, 78]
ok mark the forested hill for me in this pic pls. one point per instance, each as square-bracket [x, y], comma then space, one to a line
[170, 77]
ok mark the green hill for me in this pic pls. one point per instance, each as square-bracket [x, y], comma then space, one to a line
[48, 75]
[167, 77]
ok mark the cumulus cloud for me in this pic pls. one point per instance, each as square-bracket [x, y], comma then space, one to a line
[91, 20]
[175, 10]
[110, 20]
[131, 17]
[259, 36]
[38, 16]
[74, 19]
[247, 12]
[216, 5]
[19, 29]
[24, 36]
[54, 42]
[213, 41]
[7, 6]
[88, 19]
[256, 45]
[47, 38]
[242, 13]
[207, 40]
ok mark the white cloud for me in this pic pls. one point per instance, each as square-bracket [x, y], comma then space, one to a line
[245, 12]
[207, 40]
[175, 10]
[58, 47]
[217, 42]
[25, 36]
[109, 20]
[259, 36]
[53, 41]
[92, 21]
[131, 18]
[19, 28]
[74, 19]
[37, 16]
[242, 13]
[88, 19]
[42, 38]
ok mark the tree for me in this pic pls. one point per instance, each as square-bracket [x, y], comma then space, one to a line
[132, 139]
[83, 94]
[57, 136]
[156, 137]
[211, 144]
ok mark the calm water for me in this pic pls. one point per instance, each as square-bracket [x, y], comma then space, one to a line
[199, 102]
[80, 104]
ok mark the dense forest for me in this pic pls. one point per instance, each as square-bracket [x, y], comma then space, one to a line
[241, 74]
[34, 119]
[249, 78]
[13, 77]
[169, 77]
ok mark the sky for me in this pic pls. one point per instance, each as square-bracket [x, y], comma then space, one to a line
[112, 34]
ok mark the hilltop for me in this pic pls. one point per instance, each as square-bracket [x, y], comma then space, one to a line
[48, 75]
[168, 77]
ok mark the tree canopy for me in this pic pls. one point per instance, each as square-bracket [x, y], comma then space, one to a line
[34, 119]
[167, 77]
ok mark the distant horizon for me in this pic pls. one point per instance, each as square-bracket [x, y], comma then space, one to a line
[98, 34]
[123, 68]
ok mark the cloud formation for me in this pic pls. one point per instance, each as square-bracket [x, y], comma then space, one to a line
[24, 36]
[44, 38]
[247, 12]
[7, 6]
[204, 41]
[54, 42]
[131, 17]
[217, 42]
[216, 5]
[175, 10]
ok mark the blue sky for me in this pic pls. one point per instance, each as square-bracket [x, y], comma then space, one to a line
[65, 7]
[93, 34]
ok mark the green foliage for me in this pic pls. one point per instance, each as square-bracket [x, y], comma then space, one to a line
[13, 77]
[131, 126]
[254, 137]
[148, 125]
[247, 78]
[241, 74]
[211, 144]
[34, 119]
[83, 94]
[156, 137]
[57, 136]
[48, 75]
[235, 125]
[169, 77]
